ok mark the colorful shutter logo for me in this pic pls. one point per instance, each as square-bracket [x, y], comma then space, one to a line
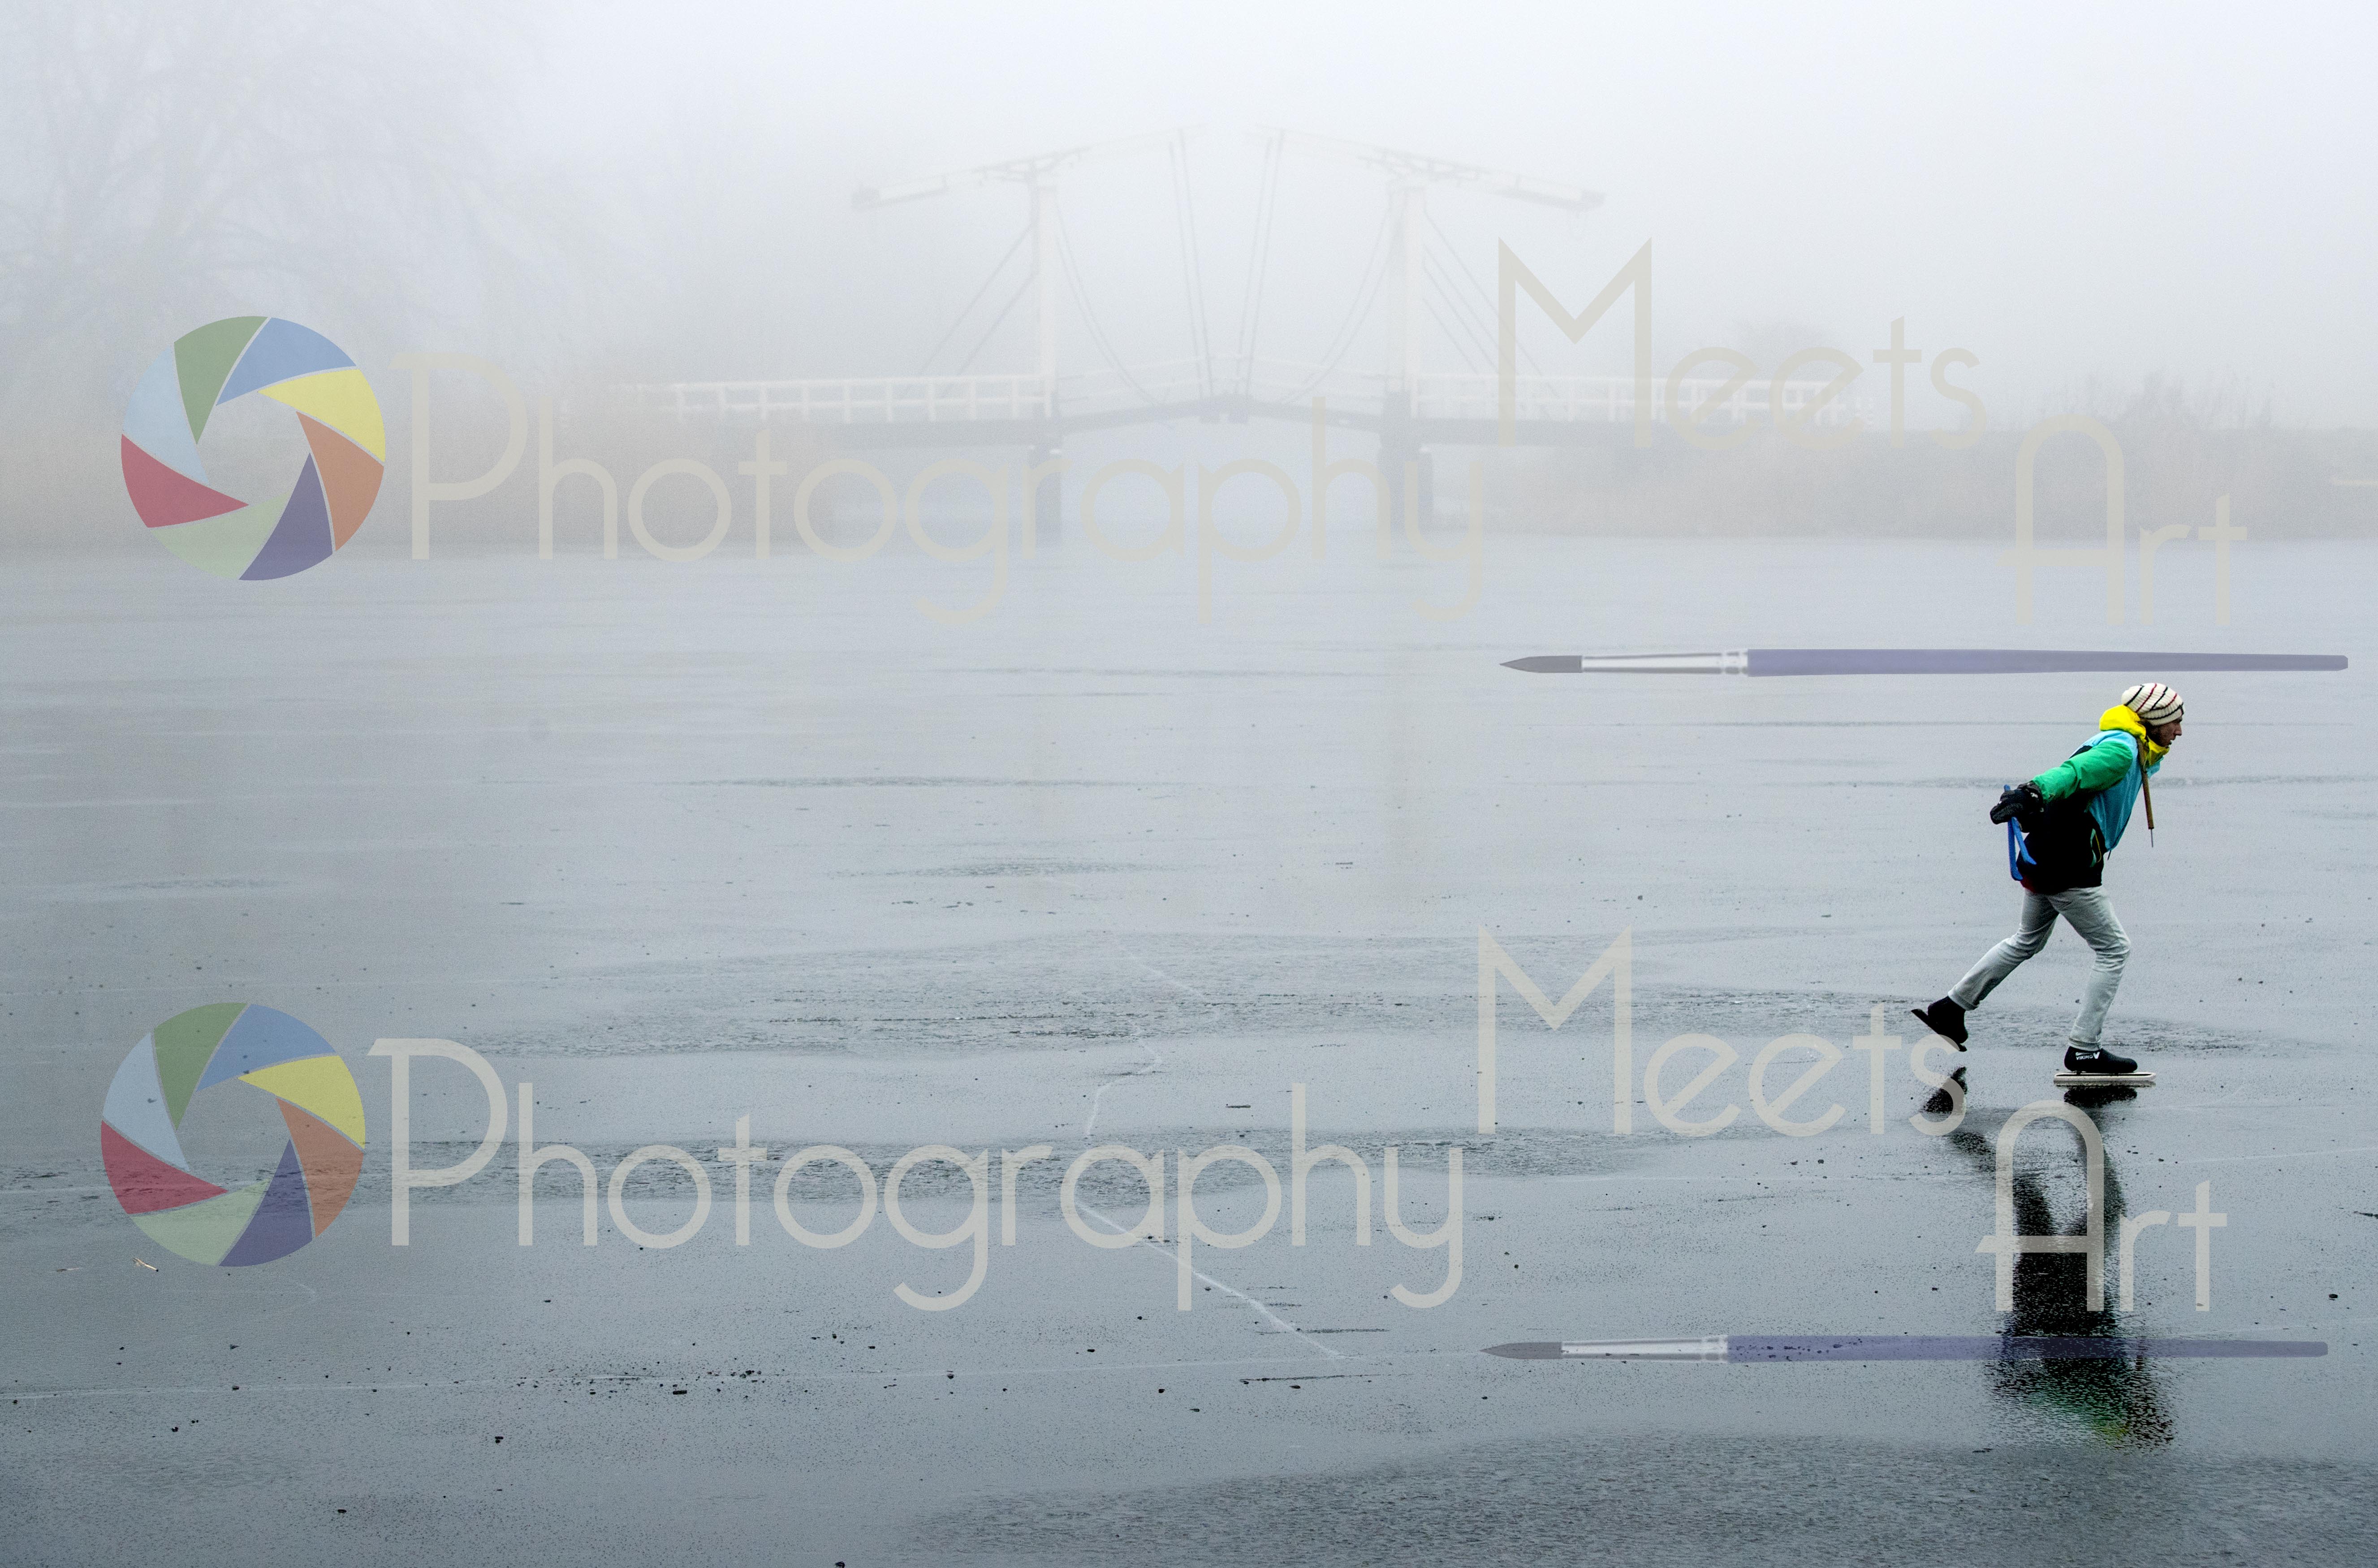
[277, 535]
[226, 1046]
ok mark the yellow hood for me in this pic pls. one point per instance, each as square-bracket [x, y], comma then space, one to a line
[2121, 718]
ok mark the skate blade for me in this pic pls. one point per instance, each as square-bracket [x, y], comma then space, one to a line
[2103, 1080]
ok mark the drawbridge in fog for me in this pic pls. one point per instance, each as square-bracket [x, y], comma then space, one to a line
[1412, 272]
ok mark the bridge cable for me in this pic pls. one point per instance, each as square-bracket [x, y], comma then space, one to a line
[1258, 261]
[1013, 300]
[1374, 273]
[1472, 279]
[1482, 332]
[1445, 327]
[1469, 333]
[1193, 265]
[1090, 317]
[1459, 340]
[926, 365]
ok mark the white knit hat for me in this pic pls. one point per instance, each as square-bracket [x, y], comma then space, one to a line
[2154, 703]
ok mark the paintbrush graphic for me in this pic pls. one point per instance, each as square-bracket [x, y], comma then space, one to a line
[1896, 1348]
[1910, 662]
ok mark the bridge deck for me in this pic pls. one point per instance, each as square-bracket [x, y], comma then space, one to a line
[1457, 408]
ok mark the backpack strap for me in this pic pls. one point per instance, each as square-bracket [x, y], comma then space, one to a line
[2018, 851]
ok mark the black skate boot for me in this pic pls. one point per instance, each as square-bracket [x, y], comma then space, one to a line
[2098, 1062]
[1944, 1018]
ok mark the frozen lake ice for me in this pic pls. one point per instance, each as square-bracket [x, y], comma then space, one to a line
[681, 844]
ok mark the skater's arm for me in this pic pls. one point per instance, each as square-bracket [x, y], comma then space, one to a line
[2086, 773]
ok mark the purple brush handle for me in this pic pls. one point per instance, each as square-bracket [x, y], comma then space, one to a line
[2013, 661]
[2007, 1348]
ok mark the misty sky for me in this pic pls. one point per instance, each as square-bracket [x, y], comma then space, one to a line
[2066, 193]
[617, 192]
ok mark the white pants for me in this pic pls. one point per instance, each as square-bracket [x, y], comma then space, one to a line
[2087, 911]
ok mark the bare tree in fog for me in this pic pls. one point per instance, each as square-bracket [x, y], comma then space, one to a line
[164, 164]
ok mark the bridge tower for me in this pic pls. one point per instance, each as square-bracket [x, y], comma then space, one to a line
[1410, 175]
[1038, 175]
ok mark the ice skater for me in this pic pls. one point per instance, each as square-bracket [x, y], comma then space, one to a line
[2060, 827]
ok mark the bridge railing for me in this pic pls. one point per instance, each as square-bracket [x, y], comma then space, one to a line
[957, 399]
[1610, 399]
[1162, 381]
[883, 399]
[902, 400]
[1463, 395]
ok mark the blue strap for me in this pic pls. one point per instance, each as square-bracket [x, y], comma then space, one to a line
[2018, 850]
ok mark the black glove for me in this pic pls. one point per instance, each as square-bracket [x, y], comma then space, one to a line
[2019, 801]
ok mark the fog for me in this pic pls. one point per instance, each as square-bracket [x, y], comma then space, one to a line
[901, 783]
[659, 194]
[2112, 193]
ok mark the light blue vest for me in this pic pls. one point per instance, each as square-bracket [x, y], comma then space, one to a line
[2111, 806]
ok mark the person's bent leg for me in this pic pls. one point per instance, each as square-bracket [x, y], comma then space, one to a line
[2091, 913]
[2030, 935]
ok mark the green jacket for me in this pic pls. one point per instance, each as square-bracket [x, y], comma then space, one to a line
[2107, 773]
